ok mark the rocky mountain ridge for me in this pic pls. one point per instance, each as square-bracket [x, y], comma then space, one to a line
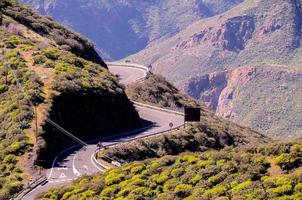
[273, 103]
[253, 34]
[121, 28]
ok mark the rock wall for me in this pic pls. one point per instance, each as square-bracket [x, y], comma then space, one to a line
[265, 98]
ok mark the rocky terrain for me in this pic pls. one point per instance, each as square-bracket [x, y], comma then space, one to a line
[266, 98]
[261, 39]
[121, 28]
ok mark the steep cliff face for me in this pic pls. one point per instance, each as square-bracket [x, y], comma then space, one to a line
[254, 33]
[121, 28]
[207, 88]
[266, 98]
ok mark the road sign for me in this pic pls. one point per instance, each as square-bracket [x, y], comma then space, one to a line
[192, 114]
[116, 163]
[99, 145]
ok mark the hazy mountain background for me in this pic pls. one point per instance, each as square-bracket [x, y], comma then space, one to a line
[245, 64]
[123, 27]
[242, 58]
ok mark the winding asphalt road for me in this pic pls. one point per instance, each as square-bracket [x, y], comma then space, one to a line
[75, 162]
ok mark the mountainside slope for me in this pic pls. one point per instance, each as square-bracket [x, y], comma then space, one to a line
[260, 34]
[211, 132]
[39, 79]
[262, 172]
[46, 27]
[199, 174]
[121, 28]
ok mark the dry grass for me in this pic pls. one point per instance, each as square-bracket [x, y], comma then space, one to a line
[46, 76]
[274, 170]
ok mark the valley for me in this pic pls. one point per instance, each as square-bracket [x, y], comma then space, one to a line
[236, 63]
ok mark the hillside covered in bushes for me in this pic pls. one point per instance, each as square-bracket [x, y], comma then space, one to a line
[262, 172]
[211, 132]
[42, 78]
[156, 90]
[46, 27]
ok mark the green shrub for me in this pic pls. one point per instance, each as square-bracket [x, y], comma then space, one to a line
[114, 178]
[51, 53]
[160, 179]
[183, 190]
[10, 159]
[39, 59]
[241, 186]
[14, 187]
[281, 190]
[3, 88]
[110, 191]
[191, 159]
[177, 172]
[216, 191]
[16, 148]
[170, 185]
[298, 187]
[137, 169]
[195, 179]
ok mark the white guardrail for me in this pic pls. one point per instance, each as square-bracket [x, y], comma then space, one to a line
[146, 69]
[158, 108]
[132, 65]
[118, 164]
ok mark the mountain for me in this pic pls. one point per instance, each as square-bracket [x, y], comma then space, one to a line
[121, 28]
[226, 159]
[43, 79]
[212, 159]
[245, 64]
[48, 28]
[211, 132]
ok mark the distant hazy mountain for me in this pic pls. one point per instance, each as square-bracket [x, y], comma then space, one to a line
[120, 28]
[245, 64]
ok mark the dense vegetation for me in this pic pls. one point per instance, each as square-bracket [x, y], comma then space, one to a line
[156, 90]
[210, 133]
[263, 172]
[15, 110]
[48, 28]
[99, 100]
[38, 74]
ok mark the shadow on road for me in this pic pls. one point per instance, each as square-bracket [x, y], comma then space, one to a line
[116, 138]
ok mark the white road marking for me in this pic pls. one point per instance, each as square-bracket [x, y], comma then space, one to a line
[62, 168]
[74, 169]
[55, 160]
[92, 158]
[62, 175]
